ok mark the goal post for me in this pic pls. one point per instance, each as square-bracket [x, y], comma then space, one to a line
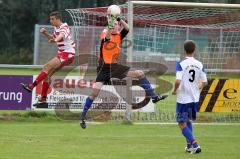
[186, 4]
[218, 24]
[157, 33]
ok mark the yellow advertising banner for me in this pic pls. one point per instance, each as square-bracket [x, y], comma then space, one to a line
[220, 95]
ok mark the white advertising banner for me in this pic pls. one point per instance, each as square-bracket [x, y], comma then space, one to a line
[71, 91]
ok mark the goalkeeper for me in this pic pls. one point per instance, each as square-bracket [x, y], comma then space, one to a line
[108, 67]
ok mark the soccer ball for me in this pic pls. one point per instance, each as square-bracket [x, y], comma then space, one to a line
[114, 10]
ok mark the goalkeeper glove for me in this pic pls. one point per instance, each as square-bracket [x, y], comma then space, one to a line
[119, 18]
[110, 25]
[111, 21]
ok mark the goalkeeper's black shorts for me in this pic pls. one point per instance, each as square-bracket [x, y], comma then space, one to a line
[107, 71]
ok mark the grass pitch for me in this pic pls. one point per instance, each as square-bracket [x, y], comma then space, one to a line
[66, 140]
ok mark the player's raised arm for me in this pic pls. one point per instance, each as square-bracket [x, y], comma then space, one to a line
[110, 27]
[46, 34]
[123, 23]
[58, 38]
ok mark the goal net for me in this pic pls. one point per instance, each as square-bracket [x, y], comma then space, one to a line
[155, 43]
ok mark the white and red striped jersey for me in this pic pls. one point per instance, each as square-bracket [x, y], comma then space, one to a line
[66, 44]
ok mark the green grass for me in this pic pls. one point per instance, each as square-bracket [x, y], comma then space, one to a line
[66, 140]
[29, 71]
[10, 71]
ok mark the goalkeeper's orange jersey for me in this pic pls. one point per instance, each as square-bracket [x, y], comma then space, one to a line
[110, 50]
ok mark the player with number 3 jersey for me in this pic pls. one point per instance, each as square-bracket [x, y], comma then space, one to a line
[190, 78]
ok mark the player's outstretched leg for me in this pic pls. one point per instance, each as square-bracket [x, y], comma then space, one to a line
[158, 98]
[145, 84]
[47, 70]
[86, 106]
[150, 91]
[42, 102]
[96, 89]
[29, 87]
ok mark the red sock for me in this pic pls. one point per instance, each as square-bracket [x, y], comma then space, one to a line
[39, 78]
[45, 87]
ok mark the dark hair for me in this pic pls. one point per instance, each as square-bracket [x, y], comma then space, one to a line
[57, 14]
[189, 46]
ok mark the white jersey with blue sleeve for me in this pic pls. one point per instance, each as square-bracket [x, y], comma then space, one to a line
[191, 72]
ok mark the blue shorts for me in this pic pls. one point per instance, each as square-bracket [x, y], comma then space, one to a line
[186, 112]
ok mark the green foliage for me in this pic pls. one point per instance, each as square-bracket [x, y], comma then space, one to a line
[28, 116]
[16, 56]
[127, 122]
[36, 114]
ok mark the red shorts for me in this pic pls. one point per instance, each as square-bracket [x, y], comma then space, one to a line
[65, 58]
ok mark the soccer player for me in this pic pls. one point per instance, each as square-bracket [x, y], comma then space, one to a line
[108, 67]
[190, 78]
[65, 56]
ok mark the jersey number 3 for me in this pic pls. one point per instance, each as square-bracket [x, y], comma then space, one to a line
[192, 73]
